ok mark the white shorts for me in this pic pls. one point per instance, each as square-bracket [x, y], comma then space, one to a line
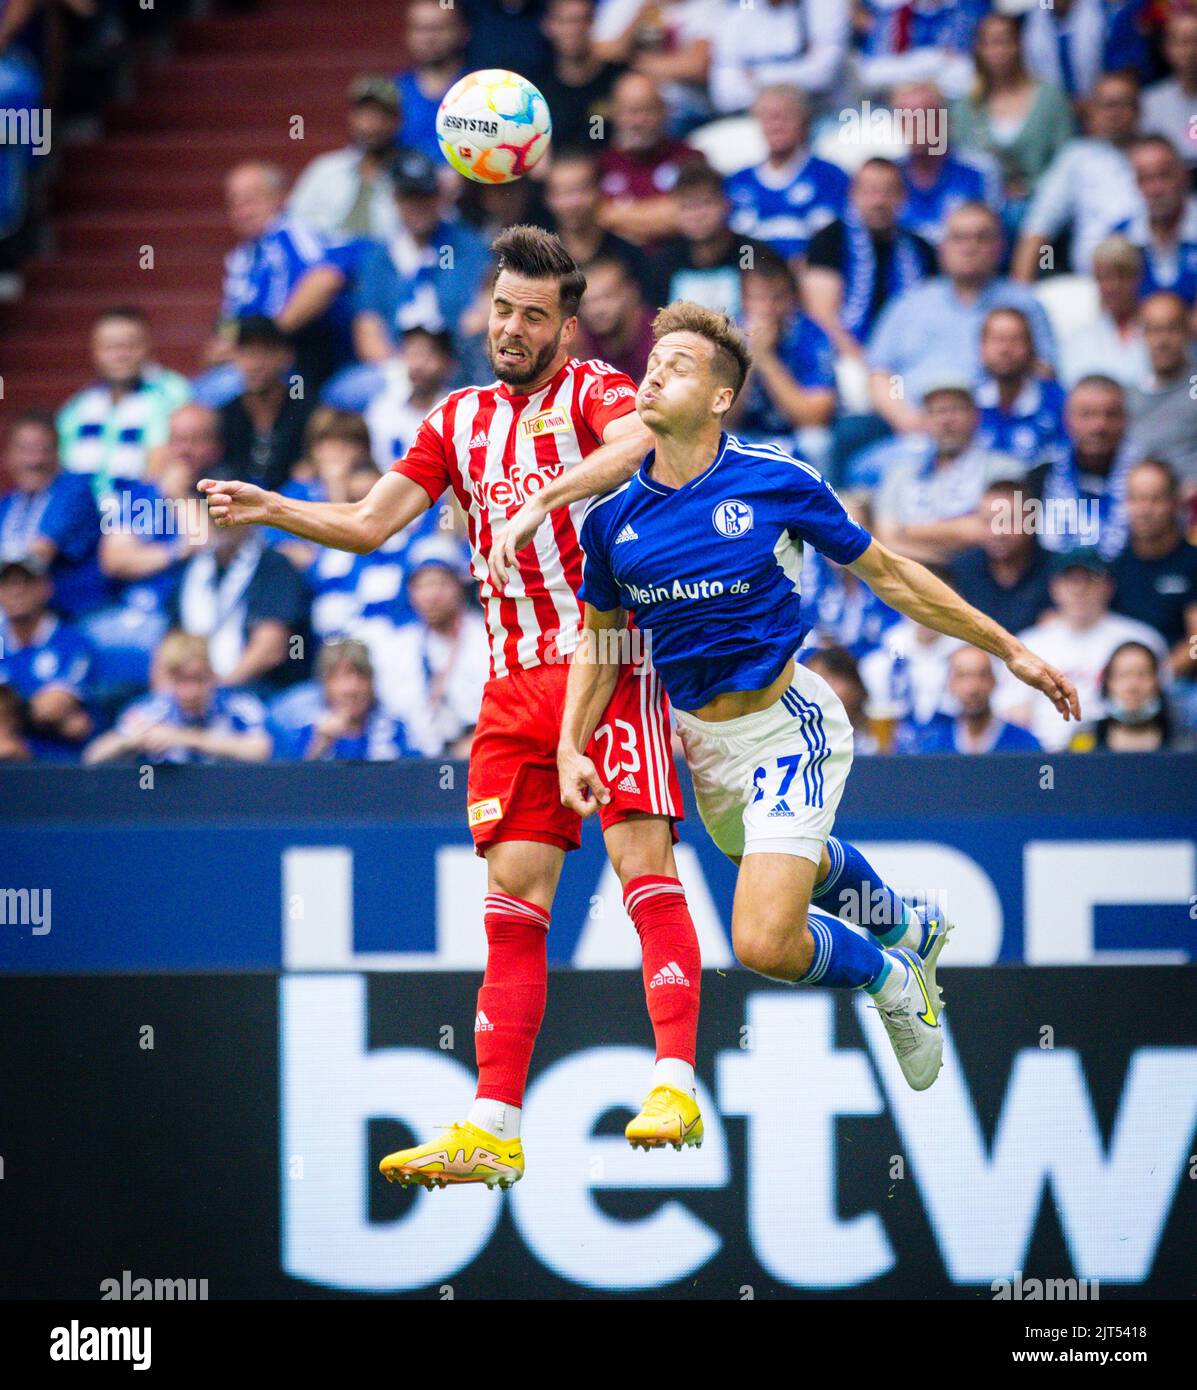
[771, 782]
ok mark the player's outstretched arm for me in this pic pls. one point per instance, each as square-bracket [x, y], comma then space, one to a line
[625, 443]
[913, 590]
[592, 677]
[389, 506]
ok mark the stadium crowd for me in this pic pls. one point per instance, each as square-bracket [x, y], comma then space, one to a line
[964, 252]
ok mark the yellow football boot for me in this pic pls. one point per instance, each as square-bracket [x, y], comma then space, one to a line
[668, 1116]
[463, 1153]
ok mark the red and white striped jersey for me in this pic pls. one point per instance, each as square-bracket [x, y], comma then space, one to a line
[495, 449]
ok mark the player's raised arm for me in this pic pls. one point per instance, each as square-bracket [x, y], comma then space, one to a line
[913, 590]
[626, 440]
[592, 677]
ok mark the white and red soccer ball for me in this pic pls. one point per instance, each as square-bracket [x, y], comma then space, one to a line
[493, 126]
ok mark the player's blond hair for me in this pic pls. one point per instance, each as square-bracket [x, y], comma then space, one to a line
[732, 356]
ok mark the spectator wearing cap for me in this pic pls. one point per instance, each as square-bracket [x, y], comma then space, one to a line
[1162, 406]
[51, 515]
[435, 43]
[1136, 717]
[640, 165]
[15, 746]
[793, 43]
[1082, 486]
[573, 199]
[972, 680]
[614, 323]
[188, 717]
[706, 261]
[937, 178]
[575, 81]
[863, 259]
[431, 671]
[1077, 636]
[1165, 227]
[347, 192]
[251, 606]
[793, 194]
[934, 328]
[1155, 577]
[45, 660]
[428, 273]
[346, 722]
[109, 429]
[1022, 413]
[262, 428]
[1005, 573]
[669, 42]
[1111, 345]
[1168, 106]
[1089, 186]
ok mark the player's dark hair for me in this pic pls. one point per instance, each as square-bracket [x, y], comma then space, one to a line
[539, 255]
[732, 355]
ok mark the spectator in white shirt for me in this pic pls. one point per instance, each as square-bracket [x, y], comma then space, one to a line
[1112, 344]
[1090, 184]
[801, 43]
[1169, 106]
[1165, 227]
[1064, 43]
[414, 380]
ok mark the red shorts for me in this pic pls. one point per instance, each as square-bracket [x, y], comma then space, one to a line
[513, 791]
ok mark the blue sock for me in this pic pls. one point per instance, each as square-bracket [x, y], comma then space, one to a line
[855, 891]
[843, 959]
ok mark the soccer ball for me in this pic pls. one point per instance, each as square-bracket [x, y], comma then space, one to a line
[493, 126]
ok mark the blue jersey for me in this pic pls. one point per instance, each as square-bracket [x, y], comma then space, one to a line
[941, 734]
[807, 354]
[1032, 427]
[711, 570]
[958, 180]
[789, 216]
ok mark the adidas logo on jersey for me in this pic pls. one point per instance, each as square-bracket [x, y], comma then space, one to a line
[628, 784]
[671, 974]
[479, 441]
[781, 809]
[482, 1024]
[627, 534]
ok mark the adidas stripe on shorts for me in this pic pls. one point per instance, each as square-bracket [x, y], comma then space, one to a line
[771, 782]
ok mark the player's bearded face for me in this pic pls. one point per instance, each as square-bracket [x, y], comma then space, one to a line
[521, 354]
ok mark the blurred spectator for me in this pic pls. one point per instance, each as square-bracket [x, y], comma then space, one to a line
[347, 721]
[107, 430]
[1010, 115]
[794, 194]
[347, 192]
[1155, 577]
[505, 34]
[937, 179]
[1082, 487]
[1065, 44]
[436, 40]
[925, 40]
[1113, 344]
[22, 95]
[1165, 227]
[431, 671]
[935, 328]
[839, 669]
[906, 679]
[1163, 405]
[926, 505]
[45, 660]
[52, 516]
[426, 276]
[1005, 574]
[791, 386]
[263, 427]
[1136, 717]
[615, 324]
[1089, 186]
[972, 681]
[411, 384]
[1077, 636]
[1022, 414]
[706, 260]
[251, 606]
[573, 199]
[14, 738]
[640, 164]
[576, 82]
[187, 718]
[798, 43]
[843, 610]
[1168, 106]
[668, 41]
[861, 261]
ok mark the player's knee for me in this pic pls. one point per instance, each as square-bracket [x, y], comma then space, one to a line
[775, 946]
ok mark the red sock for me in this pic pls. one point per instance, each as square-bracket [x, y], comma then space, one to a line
[672, 964]
[512, 998]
